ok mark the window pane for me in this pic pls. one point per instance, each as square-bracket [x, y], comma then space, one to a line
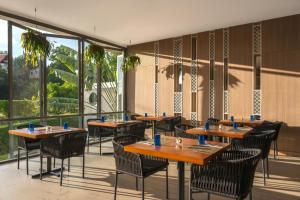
[112, 82]
[90, 85]
[3, 70]
[62, 77]
[26, 81]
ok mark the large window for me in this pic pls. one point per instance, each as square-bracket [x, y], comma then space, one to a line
[26, 81]
[3, 70]
[62, 77]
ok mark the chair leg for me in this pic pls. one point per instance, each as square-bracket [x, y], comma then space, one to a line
[53, 162]
[250, 195]
[41, 167]
[143, 188]
[136, 183]
[83, 165]
[167, 183]
[208, 196]
[88, 143]
[274, 147]
[18, 158]
[100, 146]
[116, 185]
[268, 174]
[61, 171]
[27, 170]
[264, 173]
[68, 164]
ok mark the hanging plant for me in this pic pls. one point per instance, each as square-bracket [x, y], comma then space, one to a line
[36, 47]
[95, 54]
[130, 62]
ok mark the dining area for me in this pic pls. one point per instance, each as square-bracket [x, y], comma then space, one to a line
[151, 100]
[218, 158]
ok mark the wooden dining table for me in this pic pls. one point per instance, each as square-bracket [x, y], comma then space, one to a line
[242, 122]
[154, 120]
[113, 124]
[189, 151]
[43, 134]
[224, 131]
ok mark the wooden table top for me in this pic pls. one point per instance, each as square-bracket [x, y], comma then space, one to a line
[154, 118]
[113, 124]
[41, 132]
[189, 151]
[244, 122]
[225, 131]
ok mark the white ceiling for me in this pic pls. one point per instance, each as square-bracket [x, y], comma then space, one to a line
[122, 21]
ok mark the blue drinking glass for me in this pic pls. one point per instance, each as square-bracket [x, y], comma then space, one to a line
[206, 126]
[31, 127]
[126, 118]
[146, 114]
[157, 140]
[102, 119]
[235, 125]
[251, 117]
[164, 114]
[201, 139]
[232, 118]
[66, 125]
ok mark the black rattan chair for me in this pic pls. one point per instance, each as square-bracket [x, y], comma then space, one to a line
[230, 174]
[260, 140]
[267, 125]
[136, 165]
[28, 145]
[63, 147]
[180, 131]
[97, 132]
[137, 130]
[168, 125]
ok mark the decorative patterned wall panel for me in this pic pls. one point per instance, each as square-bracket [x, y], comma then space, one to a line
[257, 39]
[177, 102]
[257, 102]
[194, 76]
[156, 105]
[194, 119]
[156, 53]
[156, 63]
[177, 51]
[225, 43]
[211, 45]
[211, 98]
[226, 103]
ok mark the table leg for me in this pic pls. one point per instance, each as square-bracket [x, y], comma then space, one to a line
[49, 171]
[180, 168]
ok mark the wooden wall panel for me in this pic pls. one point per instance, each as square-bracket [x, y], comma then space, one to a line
[186, 58]
[203, 76]
[240, 71]
[165, 76]
[281, 77]
[219, 74]
[140, 82]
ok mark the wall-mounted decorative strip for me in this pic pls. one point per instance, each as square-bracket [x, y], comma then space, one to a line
[178, 79]
[194, 82]
[225, 72]
[211, 74]
[257, 59]
[156, 64]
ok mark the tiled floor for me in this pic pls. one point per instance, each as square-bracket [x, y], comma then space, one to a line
[284, 182]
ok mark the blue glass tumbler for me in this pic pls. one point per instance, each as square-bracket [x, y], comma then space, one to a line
[126, 119]
[66, 125]
[235, 126]
[232, 118]
[201, 139]
[251, 117]
[146, 114]
[206, 126]
[157, 140]
[102, 119]
[31, 127]
[164, 114]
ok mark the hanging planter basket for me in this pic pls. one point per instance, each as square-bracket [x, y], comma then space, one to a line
[36, 47]
[130, 62]
[95, 54]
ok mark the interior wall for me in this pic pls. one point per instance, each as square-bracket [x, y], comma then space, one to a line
[280, 76]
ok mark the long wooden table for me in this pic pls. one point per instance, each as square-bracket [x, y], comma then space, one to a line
[42, 133]
[242, 122]
[154, 120]
[225, 131]
[112, 124]
[188, 152]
